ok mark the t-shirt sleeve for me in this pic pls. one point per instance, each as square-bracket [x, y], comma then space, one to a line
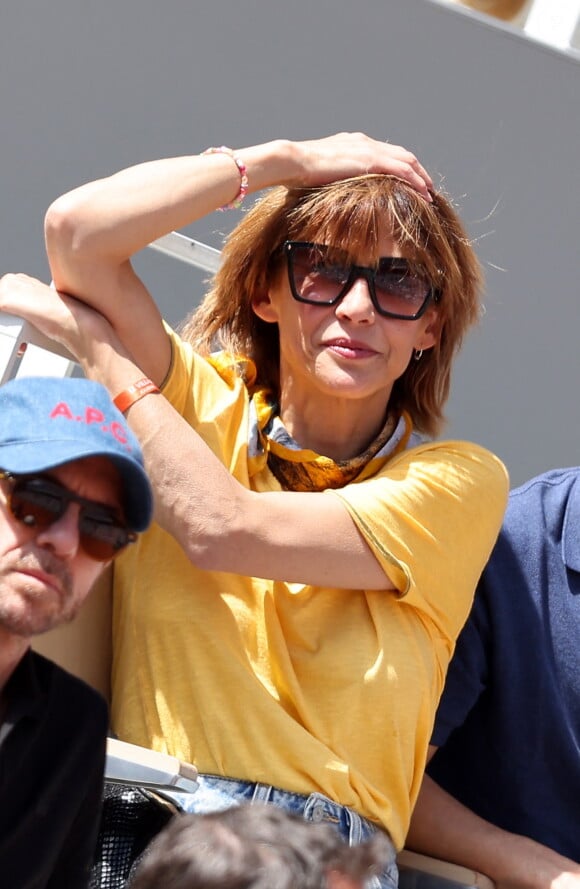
[431, 518]
[193, 384]
[212, 397]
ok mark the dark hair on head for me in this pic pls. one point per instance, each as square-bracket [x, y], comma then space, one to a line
[353, 214]
[254, 847]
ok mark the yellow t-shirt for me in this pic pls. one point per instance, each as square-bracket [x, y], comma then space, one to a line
[308, 689]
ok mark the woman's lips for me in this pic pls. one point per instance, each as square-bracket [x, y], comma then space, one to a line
[350, 348]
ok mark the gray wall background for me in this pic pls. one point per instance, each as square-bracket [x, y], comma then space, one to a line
[86, 89]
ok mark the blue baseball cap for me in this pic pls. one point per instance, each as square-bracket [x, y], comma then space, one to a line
[48, 421]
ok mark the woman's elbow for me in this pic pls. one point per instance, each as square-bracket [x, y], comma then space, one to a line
[60, 225]
[66, 231]
[205, 552]
[211, 545]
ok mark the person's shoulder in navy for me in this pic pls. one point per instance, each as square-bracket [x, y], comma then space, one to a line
[508, 724]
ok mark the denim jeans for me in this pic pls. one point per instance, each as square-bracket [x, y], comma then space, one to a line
[215, 793]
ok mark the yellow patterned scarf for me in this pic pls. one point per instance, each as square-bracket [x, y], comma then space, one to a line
[302, 469]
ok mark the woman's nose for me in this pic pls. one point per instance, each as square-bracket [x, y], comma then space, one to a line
[356, 303]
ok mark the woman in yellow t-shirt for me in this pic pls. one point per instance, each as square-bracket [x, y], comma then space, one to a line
[287, 623]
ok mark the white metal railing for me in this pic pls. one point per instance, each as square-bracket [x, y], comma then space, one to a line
[194, 252]
[24, 351]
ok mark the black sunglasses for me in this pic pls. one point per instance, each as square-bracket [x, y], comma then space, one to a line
[38, 502]
[321, 275]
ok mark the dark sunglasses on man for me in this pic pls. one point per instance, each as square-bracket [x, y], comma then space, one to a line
[321, 275]
[38, 502]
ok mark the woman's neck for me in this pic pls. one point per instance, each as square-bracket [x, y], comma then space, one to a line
[339, 432]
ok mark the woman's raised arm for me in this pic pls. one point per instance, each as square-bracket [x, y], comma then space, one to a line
[93, 231]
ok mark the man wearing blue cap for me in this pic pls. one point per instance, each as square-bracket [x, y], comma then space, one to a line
[73, 494]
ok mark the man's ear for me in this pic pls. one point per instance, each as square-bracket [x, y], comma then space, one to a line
[263, 307]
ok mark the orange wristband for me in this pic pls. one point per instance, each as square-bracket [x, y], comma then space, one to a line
[127, 397]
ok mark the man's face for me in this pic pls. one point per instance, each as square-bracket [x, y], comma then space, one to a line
[45, 575]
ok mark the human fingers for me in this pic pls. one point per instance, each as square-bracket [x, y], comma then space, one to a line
[354, 154]
[20, 294]
[411, 168]
[38, 303]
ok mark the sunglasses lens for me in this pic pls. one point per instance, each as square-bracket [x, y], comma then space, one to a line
[39, 502]
[315, 275]
[399, 291]
[36, 507]
[102, 538]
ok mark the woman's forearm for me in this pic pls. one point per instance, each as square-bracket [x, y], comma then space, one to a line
[113, 218]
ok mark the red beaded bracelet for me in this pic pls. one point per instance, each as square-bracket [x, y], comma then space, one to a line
[244, 185]
[127, 397]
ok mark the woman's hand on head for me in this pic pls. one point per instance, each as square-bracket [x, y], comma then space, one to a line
[354, 154]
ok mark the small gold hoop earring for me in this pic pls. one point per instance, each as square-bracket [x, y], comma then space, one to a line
[417, 354]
